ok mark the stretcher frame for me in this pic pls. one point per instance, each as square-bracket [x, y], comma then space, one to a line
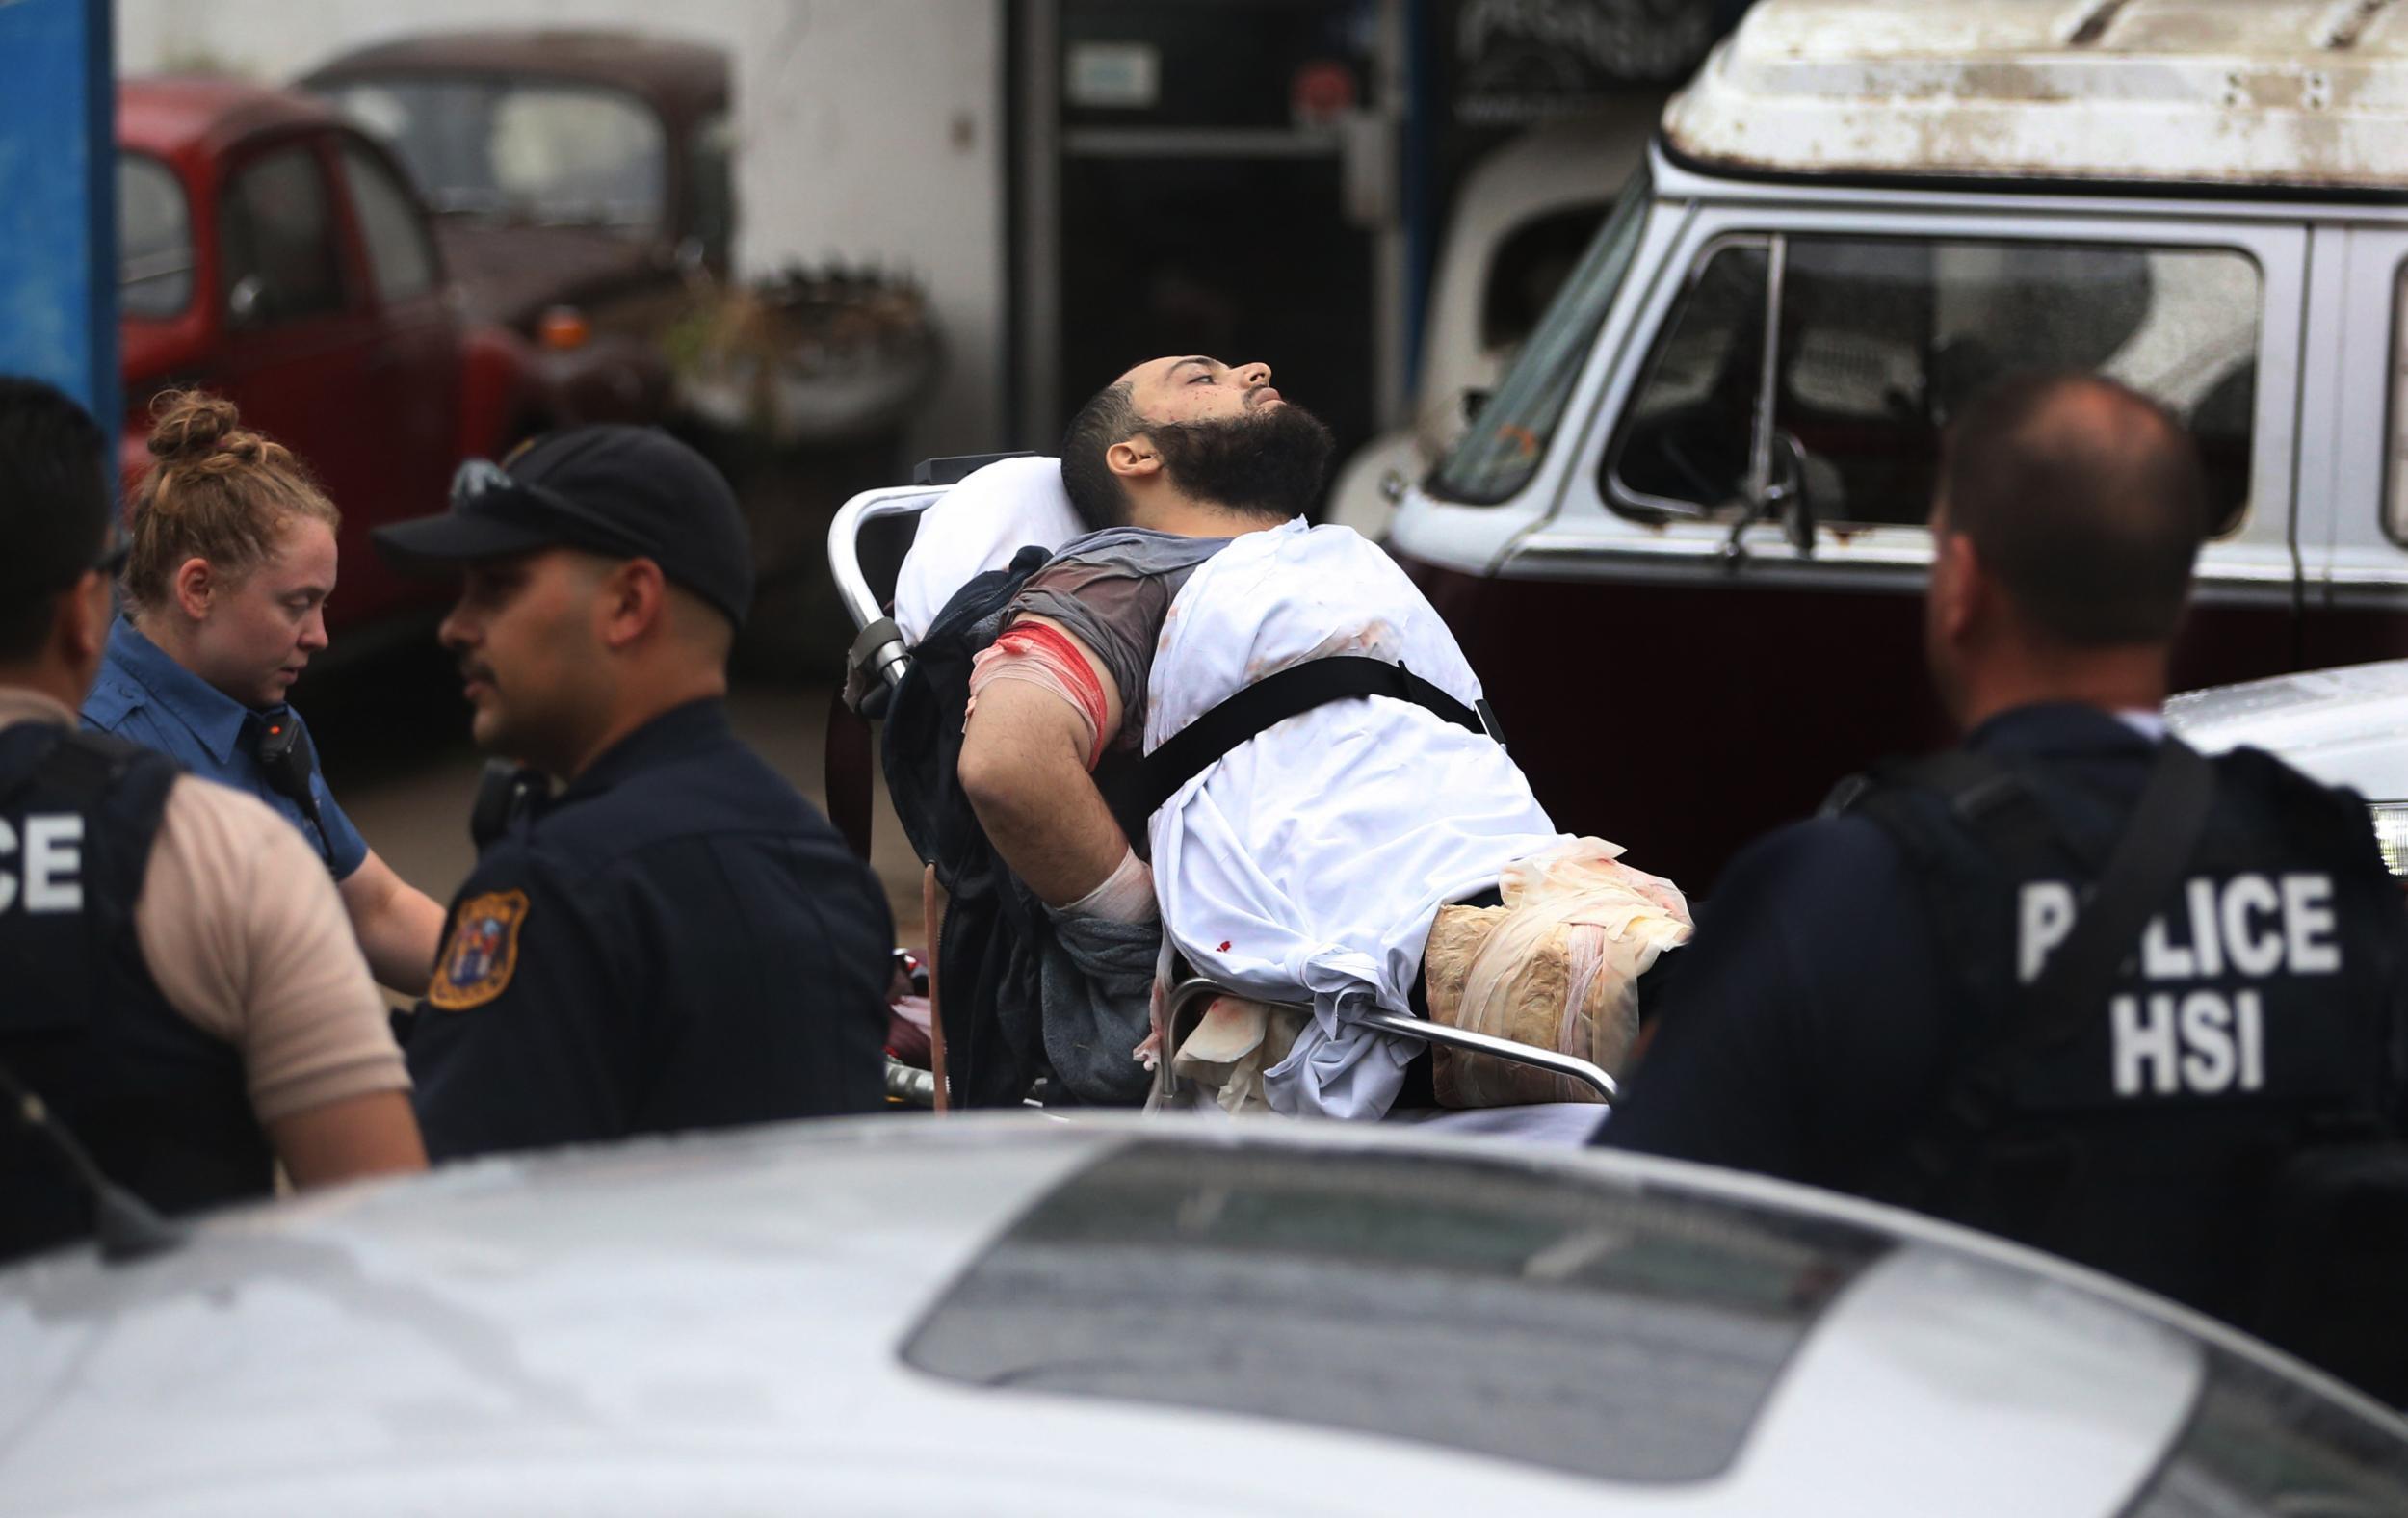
[879, 647]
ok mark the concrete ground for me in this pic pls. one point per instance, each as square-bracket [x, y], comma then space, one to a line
[393, 741]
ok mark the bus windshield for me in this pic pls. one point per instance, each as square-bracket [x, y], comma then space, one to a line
[1501, 450]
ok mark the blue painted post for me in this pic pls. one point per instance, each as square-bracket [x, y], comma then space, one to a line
[58, 199]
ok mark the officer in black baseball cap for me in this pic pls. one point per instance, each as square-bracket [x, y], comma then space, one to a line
[618, 492]
[678, 939]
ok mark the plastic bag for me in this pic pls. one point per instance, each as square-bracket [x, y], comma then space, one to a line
[1229, 1049]
[1557, 966]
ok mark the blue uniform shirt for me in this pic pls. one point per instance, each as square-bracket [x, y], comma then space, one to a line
[679, 940]
[145, 697]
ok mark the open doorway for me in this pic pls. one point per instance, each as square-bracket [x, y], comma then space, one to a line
[1212, 176]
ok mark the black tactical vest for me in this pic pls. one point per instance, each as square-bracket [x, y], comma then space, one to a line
[161, 1105]
[2253, 1020]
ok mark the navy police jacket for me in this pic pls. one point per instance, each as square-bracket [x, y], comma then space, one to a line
[1846, 969]
[678, 940]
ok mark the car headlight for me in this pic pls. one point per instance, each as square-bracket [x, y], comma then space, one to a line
[2390, 834]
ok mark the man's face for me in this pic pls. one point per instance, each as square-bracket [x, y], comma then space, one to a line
[1199, 389]
[261, 630]
[524, 630]
[1226, 437]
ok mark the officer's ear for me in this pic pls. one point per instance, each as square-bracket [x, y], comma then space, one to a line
[633, 600]
[1959, 585]
[87, 616]
[193, 584]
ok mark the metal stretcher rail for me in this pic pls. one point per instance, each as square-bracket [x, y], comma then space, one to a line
[1196, 992]
[886, 653]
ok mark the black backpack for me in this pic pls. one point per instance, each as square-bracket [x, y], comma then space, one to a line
[993, 930]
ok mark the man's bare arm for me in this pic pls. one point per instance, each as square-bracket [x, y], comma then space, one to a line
[1024, 768]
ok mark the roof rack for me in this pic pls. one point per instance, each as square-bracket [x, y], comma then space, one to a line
[2285, 92]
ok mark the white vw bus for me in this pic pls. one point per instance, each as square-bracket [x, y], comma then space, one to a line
[1683, 540]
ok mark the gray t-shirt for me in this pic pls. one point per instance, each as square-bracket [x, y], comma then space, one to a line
[1113, 589]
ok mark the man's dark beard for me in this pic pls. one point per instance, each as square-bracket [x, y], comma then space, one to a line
[1267, 464]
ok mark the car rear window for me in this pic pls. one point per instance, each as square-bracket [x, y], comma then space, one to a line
[154, 240]
[400, 256]
[1531, 265]
[1581, 1323]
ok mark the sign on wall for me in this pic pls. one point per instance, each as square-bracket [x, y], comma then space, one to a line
[58, 198]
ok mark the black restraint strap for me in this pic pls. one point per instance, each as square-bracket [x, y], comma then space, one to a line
[2148, 860]
[2130, 880]
[1274, 700]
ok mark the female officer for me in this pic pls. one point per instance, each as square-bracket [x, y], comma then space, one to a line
[232, 561]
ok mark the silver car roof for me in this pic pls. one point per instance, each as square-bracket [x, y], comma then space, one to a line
[714, 1324]
[2341, 725]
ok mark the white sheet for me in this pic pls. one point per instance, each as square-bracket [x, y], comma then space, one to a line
[1308, 863]
[977, 526]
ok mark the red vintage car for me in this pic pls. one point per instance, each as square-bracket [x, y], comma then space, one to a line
[271, 253]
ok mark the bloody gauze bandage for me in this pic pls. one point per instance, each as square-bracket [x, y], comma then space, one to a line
[1042, 656]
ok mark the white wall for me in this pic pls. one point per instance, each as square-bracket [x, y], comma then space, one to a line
[867, 128]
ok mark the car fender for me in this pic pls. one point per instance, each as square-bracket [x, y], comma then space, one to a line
[612, 377]
[503, 396]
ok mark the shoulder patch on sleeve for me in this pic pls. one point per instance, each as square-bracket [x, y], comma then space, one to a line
[481, 954]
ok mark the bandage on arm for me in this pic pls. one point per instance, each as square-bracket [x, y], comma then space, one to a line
[1042, 655]
[1126, 896]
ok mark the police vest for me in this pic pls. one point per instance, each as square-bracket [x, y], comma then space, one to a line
[161, 1105]
[2252, 1019]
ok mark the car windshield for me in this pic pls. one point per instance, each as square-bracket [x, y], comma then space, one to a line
[1586, 1324]
[1501, 448]
[532, 151]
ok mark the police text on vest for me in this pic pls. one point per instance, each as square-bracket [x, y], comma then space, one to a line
[2202, 1040]
[51, 876]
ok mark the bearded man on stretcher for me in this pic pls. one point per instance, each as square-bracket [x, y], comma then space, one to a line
[1367, 853]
